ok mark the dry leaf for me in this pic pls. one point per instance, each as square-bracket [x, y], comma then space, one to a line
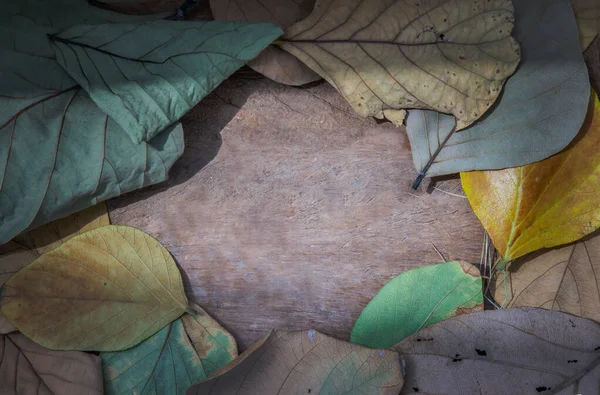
[273, 62]
[452, 56]
[13, 257]
[565, 279]
[524, 351]
[587, 13]
[592, 60]
[306, 362]
[543, 204]
[106, 290]
[53, 234]
[27, 368]
[213, 344]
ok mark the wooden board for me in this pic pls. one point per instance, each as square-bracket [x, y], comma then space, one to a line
[299, 214]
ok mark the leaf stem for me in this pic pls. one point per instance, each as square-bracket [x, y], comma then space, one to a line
[423, 172]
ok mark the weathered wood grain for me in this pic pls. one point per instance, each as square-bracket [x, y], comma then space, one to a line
[302, 216]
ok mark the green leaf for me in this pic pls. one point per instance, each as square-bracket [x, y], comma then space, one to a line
[305, 362]
[165, 363]
[214, 345]
[416, 299]
[523, 351]
[148, 75]
[59, 153]
[543, 106]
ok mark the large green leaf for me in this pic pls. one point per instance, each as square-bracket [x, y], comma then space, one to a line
[59, 153]
[165, 363]
[543, 106]
[416, 299]
[148, 75]
[523, 351]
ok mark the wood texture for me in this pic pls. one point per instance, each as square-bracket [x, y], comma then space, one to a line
[299, 214]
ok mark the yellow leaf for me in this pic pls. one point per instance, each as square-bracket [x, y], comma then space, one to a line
[55, 233]
[543, 204]
[104, 290]
[452, 56]
[565, 279]
[587, 13]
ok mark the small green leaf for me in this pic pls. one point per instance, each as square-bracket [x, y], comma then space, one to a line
[165, 363]
[148, 75]
[416, 299]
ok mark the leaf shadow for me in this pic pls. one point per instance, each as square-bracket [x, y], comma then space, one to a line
[202, 127]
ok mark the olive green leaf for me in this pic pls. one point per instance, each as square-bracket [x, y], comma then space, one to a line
[214, 345]
[306, 362]
[148, 75]
[13, 257]
[106, 290]
[273, 62]
[28, 368]
[451, 56]
[416, 299]
[165, 363]
[59, 153]
[524, 351]
[543, 106]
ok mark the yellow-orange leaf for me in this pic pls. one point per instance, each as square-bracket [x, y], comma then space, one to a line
[544, 204]
[104, 290]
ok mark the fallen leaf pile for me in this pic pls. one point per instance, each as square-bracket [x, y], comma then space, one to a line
[498, 90]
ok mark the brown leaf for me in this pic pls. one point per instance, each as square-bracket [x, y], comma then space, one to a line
[565, 279]
[273, 62]
[306, 362]
[587, 13]
[27, 368]
[53, 234]
[592, 59]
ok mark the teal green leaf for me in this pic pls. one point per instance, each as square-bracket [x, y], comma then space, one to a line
[541, 110]
[59, 153]
[416, 299]
[148, 75]
[165, 363]
[214, 345]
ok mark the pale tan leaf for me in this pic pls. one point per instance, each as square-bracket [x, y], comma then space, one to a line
[452, 56]
[55, 233]
[565, 279]
[273, 62]
[214, 345]
[306, 362]
[587, 13]
[27, 368]
[103, 290]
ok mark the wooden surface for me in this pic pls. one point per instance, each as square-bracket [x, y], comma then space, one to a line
[288, 211]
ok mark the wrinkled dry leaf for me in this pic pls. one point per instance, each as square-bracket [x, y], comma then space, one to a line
[416, 299]
[27, 368]
[213, 344]
[539, 113]
[523, 351]
[451, 56]
[565, 279]
[106, 290]
[165, 363]
[587, 13]
[306, 362]
[13, 257]
[53, 234]
[273, 62]
[543, 204]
